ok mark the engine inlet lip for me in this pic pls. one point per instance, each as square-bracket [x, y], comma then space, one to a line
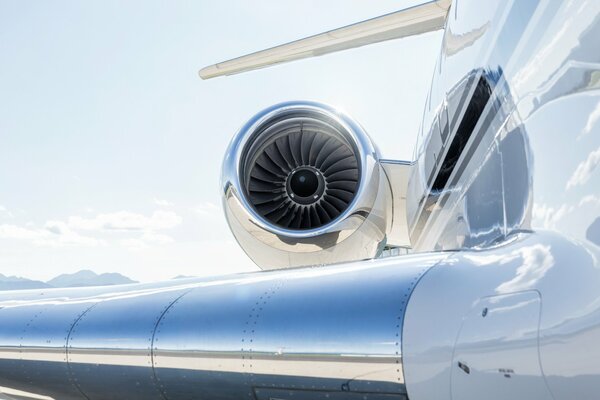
[234, 163]
[316, 194]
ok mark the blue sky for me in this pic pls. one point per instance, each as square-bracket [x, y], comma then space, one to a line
[111, 146]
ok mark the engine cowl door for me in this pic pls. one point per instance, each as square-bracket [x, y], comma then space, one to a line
[496, 353]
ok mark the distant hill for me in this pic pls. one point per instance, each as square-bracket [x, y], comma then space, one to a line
[18, 283]
[82, 278]
[183, 277]
[89, 278]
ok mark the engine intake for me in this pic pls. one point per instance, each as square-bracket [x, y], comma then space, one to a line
[302, 173]
[303, 185]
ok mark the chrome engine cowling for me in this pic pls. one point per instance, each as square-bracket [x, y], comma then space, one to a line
[302, 185]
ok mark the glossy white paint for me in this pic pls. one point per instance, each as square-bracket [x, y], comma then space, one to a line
[495, 332]
[524, 75]
[531, 268]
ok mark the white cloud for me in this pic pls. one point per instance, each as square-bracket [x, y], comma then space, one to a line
[16, 232]
[144, 227]
[55, 234]
[590, 199]
[57, 227]
[4, 212]
[158, 238]
[163, 203]
[584, 170]
[548, 217]
[126, 221]
[147, 240]
[591, 122]
[69, 239]
[207, 209]
[61, 234]
[134, 244]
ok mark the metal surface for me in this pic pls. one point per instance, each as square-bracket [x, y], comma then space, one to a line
[357, 233]
[422, 18]
[515, 86]
[495, 333]
[331, 330]
[520, 79]
[398, 173]
[509, 151]
[566, 276]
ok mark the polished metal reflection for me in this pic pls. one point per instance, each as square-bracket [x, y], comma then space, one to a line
[334, 329]
[518, 306]
[357, 233]
[538, 63]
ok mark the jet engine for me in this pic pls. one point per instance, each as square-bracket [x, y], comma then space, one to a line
[303, 185]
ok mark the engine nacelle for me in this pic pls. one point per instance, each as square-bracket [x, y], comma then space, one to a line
[303, 185]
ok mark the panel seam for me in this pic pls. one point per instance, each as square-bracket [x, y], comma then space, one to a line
[70, 374]
[152, 339]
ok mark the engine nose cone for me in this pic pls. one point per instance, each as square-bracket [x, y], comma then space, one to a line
[305, 185]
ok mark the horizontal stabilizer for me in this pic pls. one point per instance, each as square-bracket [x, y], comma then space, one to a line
[419, 19]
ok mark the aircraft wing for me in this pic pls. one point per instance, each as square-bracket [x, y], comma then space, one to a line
[415, 20]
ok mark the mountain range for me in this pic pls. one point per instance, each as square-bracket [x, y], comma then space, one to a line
[78, 279]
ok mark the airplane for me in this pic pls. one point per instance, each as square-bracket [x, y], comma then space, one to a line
[497, 296]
